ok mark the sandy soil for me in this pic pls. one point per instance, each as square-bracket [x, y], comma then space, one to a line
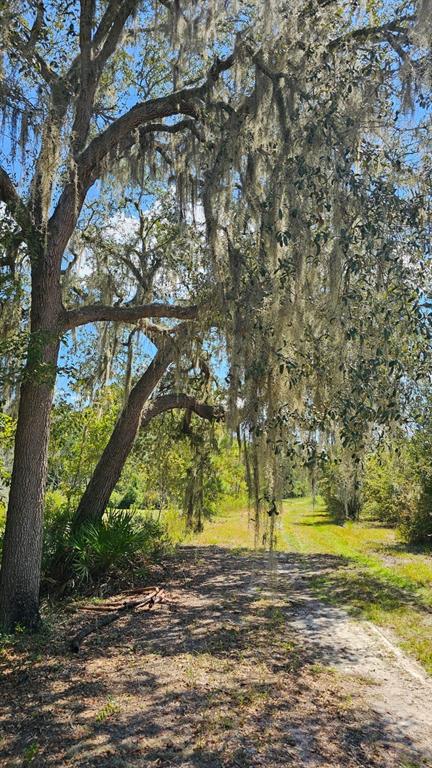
[242, 667]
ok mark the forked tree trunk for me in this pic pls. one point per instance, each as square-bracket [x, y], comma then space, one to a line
[108, 470]
[22, 546]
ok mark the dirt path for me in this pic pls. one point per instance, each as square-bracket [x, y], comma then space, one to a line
[244, 667]
[400, 691]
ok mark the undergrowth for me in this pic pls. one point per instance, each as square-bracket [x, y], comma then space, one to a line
[97, 550]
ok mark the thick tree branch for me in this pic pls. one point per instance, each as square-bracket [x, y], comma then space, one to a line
[92, 64]
[187, 101]
[112, 28]
[94, 313]
[16, 207]
[365, 33]
[113, 16]
[174, 401]
[88, 79]
[85, 31]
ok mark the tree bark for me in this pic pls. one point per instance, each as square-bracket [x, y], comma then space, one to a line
[179, 400]
[94, 313]
[110, 465]
[22, 546]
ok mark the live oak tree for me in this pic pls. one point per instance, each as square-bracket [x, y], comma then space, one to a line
[55, 84]
[379, 278]
[276, 122]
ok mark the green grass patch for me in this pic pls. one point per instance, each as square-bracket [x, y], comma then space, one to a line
[231, 528]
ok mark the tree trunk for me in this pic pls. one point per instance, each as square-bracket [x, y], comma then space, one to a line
[110, 465]
[22, 546]
[190, 499]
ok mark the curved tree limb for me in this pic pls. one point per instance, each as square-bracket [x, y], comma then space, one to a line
[186, 101]
[362, 34]
[173, 401]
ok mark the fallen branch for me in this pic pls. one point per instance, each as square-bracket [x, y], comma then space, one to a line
[139, 590]
[111, 604]
[156, 596]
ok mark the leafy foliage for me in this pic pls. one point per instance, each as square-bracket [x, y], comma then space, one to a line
[7, 432]
[397, 488]
[277, 198]
[97, 550]
[390, 490]
[161, 465]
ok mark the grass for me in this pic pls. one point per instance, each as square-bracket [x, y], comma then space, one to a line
[373, 575]
[109, 709]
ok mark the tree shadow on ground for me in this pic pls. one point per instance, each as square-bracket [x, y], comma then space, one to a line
[217, 677]
[401, 547]
[349, 586]
[317, 523]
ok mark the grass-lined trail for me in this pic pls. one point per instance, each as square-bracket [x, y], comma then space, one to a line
[374, 575]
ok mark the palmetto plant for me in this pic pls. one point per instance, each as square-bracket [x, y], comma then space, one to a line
[98, 548]
[118, 539]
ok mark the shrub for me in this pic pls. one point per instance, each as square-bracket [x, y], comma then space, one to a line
[416, 519]
[99, 549]
[398, 488]
[389, 486]
[55, 504]
[416, 528]
[416, 522]
[114, 544]
[128, 499]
